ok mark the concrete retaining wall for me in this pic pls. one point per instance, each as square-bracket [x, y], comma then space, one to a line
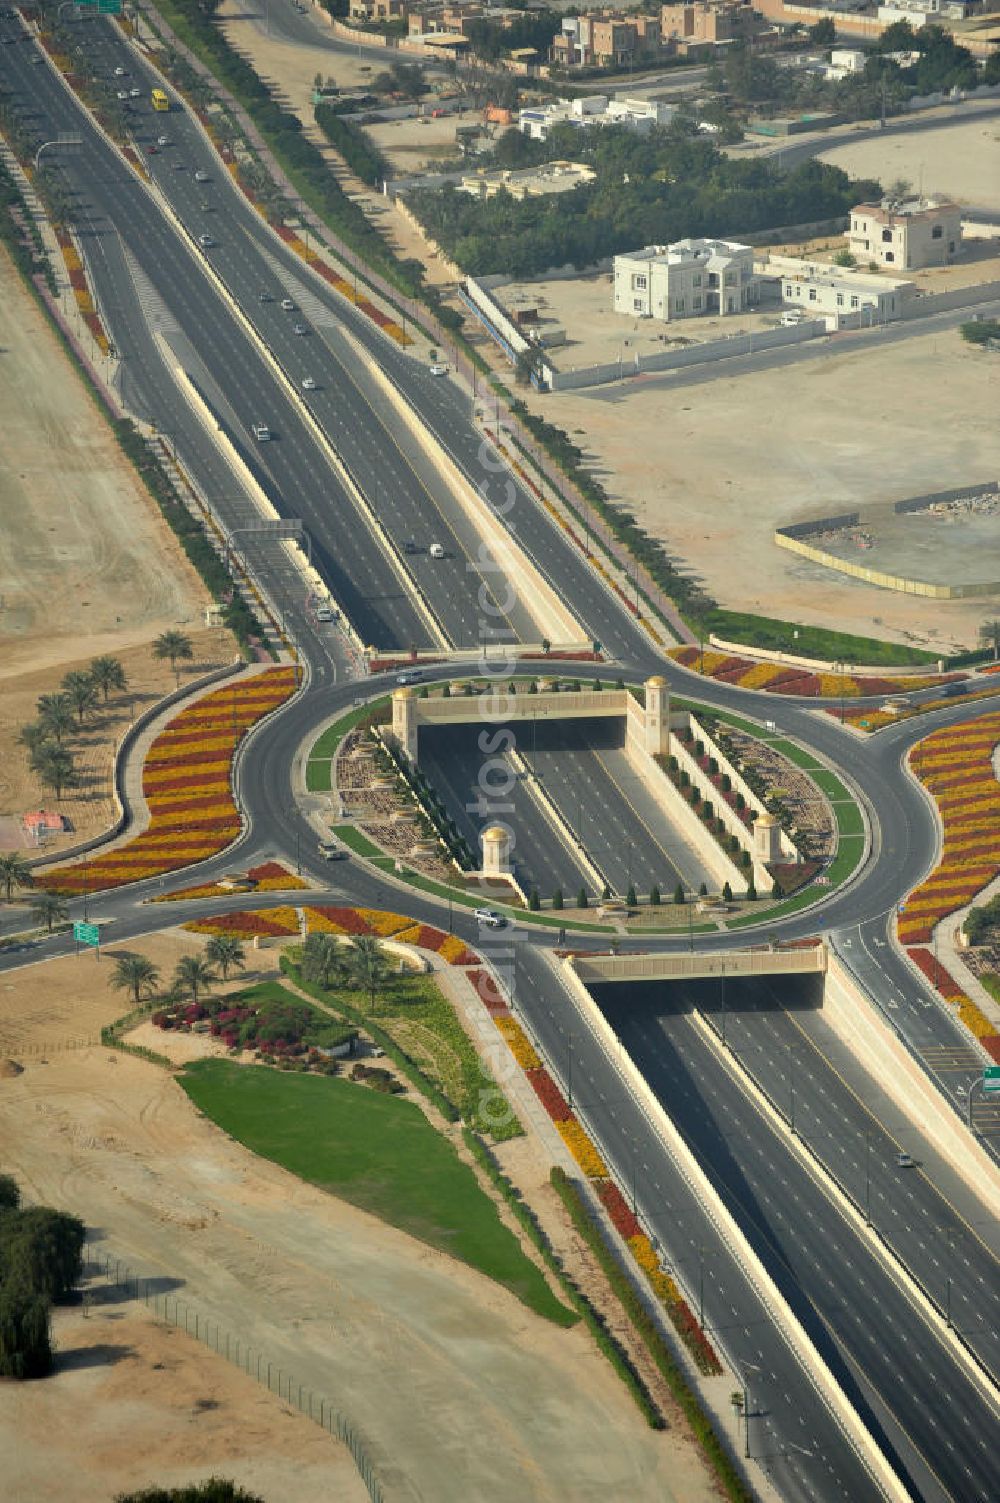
[736, 875]
[939, 302]
[818, 665]
[700, 354]
[552, 617]
[813, 1365]
[854, 1017]
[883, 580]
[684, 966]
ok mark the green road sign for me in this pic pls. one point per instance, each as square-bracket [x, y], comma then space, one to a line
[991, 1080]
[86, 934]
[109, 7]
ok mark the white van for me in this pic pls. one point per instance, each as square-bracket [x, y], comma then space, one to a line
[793, 316]
[261, 432]
[436, 551]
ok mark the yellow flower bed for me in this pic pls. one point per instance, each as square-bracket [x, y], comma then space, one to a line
[975, 1021]
[833, 684]
[84, 301]
[72, 258]
[280, 884]
[518, 1043]
[383, 923]
[582, 1149]
[663, 1284]
[318, 923]
[760, 675]
[452, 948]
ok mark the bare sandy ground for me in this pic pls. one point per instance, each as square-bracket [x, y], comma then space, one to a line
[86, 563]
[90, 808]
[151, 1406]
[714, 468]
[459, 1392]
[959, 161]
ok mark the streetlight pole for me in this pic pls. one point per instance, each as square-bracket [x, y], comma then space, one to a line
[791, 1086]
[868, 1178]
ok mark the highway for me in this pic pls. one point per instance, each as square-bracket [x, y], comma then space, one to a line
[821, 1259]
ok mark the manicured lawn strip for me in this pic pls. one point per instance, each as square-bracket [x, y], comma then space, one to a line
[811, 641]
[377, 1152]
[829, 783]
[715, 1452]
[849, 820]
[849, 853]
[779, 910]
[355, 841]
[318, 777]
[797, 754]
[326, 744]
[595, 1323]
[699, 707]
[991, 982]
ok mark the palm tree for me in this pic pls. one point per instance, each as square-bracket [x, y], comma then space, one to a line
[365, 966]
[175, 646]
[14, 872]
[49, 908]
[106, 674]
[55, 716]
[34, 736]
[136, 974]
[226, 952]
[81, 691]
[193, 975]
[55, 766]
[322, 959]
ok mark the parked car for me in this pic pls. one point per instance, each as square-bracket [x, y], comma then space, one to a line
[489, 918]
[436, 550]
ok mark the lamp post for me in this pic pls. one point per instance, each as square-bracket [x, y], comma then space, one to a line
[868, 1178]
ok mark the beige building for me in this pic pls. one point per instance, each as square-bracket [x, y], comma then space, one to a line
[907, 234]
[821, 290]
[685, 279]
[710, 21]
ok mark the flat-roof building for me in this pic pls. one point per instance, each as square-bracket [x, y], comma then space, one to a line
[824, 290]
[685, 279]
[907, 233]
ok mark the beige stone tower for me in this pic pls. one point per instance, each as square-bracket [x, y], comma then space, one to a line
[767, 838]
[657, 716]
[404, 722]
[496, 851]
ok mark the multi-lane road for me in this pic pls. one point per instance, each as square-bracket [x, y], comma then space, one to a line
[206, 303]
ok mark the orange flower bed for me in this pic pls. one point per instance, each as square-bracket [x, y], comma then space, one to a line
[270, 877]
[777, 678]
[582, 1148]
[955, 765]
[277, 923]
[518, 1043]
[183, 830]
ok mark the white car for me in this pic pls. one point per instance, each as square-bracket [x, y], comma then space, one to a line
[287, 305]
[163, 140]
[324, 613]
[122, 93]
[308, 384]
[261, 432]
[205, 241]
[119, 72]
[439, 370]
[135, 93]
[299, 329]
[201, 176]
[436, 551]
[489, 918]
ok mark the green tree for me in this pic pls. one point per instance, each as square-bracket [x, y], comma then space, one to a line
[679, 894]
[557, 899]
[81, 691]
[48, 908]
[322, 960]
[107, 673]
[751, 892]
[582, 900]
[227, 953]
[655, 896]
[10, 1193]
[176, 647]
[42, 1249]
[631, 897]
[135, 974]
[14, 872]
[215, 1490]
[824, 33]
[25, 1346]
[776, 890]
[727, 893]
[192, 976]
[534, 901]
[845, 258]
[55, 767]
[55, 716]
[34, 736]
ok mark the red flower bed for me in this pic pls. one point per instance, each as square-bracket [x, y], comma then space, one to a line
[991, 1043]
[933, 970]
[241, 923]
[549, 1095]
[622, 1216]
[488, 991]
[348, 919]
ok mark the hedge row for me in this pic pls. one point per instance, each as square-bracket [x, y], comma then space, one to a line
[355, 146]
[592, 1318]
[718, 1457]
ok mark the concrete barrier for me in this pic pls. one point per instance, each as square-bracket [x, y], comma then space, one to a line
[684, 966]
[855, 1019]
[812, 1363]
[554, 620]
[813, 665]
[885, 581]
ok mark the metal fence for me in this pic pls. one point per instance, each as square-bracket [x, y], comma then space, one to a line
[256, 1364]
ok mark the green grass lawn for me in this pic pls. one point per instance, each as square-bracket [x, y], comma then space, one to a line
[318, 777]
[377, 1152]
[849, 820]
[811, 641]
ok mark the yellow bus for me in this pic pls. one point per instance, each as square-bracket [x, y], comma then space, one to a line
[160, 100]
